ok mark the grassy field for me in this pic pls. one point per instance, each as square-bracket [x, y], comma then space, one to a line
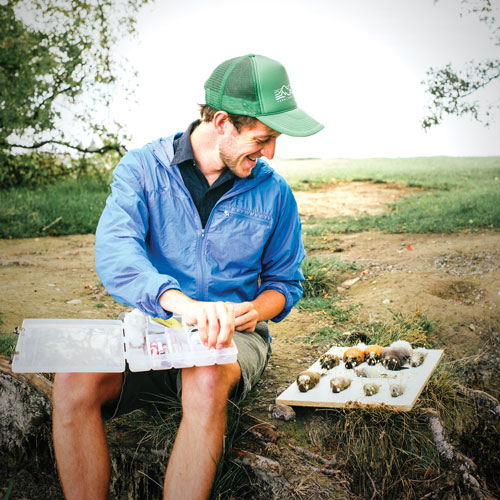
[458, 193]
[429, 172]
[64, 207]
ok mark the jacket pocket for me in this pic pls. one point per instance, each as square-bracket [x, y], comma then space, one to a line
[236, 240]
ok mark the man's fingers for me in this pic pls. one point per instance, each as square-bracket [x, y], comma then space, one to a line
[215, 321]
[247, 327]
[249, 317]
[241, 308]
[201, 322]
[225, 313]
[213, 324]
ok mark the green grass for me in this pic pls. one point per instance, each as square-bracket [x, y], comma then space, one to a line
[458, 194]
[427, 172]
[434, 212]
[26, 212]
[8, 341]
[338, 325]
[321, 275]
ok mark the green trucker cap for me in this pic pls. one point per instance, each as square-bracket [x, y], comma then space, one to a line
[257, 86]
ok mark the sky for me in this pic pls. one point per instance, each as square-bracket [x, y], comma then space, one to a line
[356, 66]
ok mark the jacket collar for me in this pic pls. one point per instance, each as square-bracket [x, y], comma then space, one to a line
[163, 149]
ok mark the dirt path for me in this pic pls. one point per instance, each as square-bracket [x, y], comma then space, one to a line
[350, 199]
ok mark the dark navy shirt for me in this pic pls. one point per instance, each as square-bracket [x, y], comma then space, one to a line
[204, 196]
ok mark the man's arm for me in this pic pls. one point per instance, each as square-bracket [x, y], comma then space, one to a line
[121, 256]
[283, 254]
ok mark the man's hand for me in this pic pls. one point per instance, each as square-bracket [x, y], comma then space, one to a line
[215, 320]
[245, 316]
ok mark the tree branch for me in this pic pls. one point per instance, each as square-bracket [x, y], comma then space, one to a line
[108, 147]
[483, 400]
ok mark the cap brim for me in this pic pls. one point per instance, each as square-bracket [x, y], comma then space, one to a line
[294, 122]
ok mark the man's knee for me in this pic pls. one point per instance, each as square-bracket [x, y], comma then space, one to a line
[81, 392]
[206, 389]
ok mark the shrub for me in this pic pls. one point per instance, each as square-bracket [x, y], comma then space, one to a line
[31, 170]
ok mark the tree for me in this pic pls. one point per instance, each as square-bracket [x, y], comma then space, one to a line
[453, 91]
[57, 63]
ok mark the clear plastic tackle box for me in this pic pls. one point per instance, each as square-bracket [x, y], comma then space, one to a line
[94, 345]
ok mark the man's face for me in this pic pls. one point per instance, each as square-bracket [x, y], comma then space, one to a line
[239, 151]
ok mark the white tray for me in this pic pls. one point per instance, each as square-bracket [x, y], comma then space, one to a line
[321, 396]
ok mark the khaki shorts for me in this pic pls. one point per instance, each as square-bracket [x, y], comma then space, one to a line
[140, 389]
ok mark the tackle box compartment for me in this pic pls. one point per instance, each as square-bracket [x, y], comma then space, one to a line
[95, 345]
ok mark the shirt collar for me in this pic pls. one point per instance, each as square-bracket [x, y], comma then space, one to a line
[182, 145]
[183, 151]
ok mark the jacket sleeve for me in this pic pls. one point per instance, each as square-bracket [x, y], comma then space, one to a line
[121, 254]
[283, 254]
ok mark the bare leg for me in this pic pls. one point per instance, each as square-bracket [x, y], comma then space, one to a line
[199, 442]
[82, 453]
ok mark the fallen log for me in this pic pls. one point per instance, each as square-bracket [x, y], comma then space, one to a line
[25, 405]
[463, 466]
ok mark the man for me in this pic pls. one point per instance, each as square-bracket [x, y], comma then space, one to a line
[199, 225]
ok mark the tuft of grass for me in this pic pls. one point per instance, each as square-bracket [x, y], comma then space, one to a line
[320, 278]
[8, 341]
[321, 275]
[385, 452]
[329, 313]
[159, 424]
[415, 327]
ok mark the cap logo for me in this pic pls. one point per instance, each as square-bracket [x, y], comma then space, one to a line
[284, 92]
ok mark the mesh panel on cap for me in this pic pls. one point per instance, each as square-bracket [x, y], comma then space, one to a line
[240, 82]
[215, 80]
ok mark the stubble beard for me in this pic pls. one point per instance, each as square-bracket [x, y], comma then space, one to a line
[230, 161]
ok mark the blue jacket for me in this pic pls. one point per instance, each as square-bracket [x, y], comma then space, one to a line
[150, 239]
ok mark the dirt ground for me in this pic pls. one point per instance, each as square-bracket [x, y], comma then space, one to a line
[454, 278]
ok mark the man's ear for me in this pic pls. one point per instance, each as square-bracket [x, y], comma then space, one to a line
[221, 121]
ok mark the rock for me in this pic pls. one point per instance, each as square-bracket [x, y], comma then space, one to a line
[386, 301]
[74, 301]
[349, 283]
[281, 412]
[15, 263]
